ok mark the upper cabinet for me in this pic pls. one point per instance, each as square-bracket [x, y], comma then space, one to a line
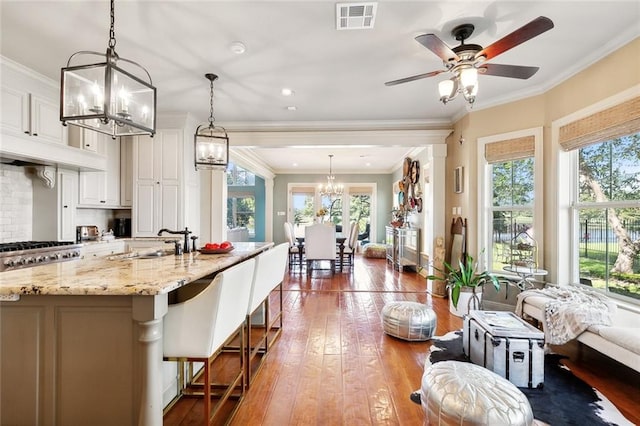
[30, 108]
[100, 189]
[30, 115]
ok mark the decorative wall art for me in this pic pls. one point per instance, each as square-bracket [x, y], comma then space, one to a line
[458, 176]
[411, 183]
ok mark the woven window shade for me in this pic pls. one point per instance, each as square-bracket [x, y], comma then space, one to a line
[510, 149]
[304, 190]
[611, 123]
[366, 190]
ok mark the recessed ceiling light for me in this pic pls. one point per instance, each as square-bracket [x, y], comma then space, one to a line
[238, 47]
[286, 92]
[292, 108]
[295, 164]
[368, 164]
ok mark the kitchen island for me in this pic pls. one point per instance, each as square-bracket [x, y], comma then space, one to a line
[81, 341]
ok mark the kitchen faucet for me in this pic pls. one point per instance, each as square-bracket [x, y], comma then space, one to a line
[186, 233]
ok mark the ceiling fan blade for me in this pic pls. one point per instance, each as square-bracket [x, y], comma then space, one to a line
[512, 71]
[437, 46]
[412, 78]
[522, 34]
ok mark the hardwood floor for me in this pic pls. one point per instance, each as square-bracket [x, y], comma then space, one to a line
[334, 365]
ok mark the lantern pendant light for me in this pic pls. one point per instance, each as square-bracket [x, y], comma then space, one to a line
[211, 142]
[105, 97]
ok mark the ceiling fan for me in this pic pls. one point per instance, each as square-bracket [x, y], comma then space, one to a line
[467, 60]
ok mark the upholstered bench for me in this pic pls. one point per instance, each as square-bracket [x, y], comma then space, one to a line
[374, 250]
[411, 321]
[618, 341]
[461, 393]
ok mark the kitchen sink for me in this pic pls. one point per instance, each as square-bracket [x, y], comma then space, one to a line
[154, 254]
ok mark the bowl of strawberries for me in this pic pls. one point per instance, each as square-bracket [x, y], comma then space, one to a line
[217, 248]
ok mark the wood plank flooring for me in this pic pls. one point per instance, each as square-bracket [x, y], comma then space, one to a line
[333, 365]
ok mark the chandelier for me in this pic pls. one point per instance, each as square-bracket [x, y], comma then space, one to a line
[331, 189]
[464, 80]
[211, 142]
[105, 97]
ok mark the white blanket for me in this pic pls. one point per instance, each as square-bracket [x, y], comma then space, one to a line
[569, 311]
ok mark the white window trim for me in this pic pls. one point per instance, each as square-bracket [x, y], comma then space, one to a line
[485, 197]
[345, 200]
[566, 222]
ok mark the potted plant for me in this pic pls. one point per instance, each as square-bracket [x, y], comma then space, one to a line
[462, 283]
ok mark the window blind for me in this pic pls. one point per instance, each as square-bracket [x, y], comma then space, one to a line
[510, 149]
[620, 120]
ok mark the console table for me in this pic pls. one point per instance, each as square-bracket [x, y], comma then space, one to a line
[403, 247]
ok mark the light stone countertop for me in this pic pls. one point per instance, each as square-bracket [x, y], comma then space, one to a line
[122, 275]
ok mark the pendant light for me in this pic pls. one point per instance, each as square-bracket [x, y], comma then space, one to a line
[107, 98]
[211, 142]
[331, 189]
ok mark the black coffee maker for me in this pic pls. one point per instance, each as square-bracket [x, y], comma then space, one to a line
[122, 227]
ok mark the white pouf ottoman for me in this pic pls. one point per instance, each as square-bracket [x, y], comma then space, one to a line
[461, 393]
[411, 321]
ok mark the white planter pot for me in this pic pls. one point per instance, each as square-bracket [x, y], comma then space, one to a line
[466, 302]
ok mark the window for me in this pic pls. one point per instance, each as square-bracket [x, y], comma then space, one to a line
[607, 211]
[356, 204]
[510, 199]
[241, 200]
[512, 207]
[598, 241]
[241, 211]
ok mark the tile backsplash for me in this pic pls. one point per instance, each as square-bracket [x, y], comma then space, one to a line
[17, 204]
[16, 197]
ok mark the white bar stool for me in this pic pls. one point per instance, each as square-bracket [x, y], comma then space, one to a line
[198, 328]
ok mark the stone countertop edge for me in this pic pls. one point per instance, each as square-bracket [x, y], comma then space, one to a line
[123, 276]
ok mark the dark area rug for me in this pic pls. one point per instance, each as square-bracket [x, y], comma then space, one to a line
[564, 400]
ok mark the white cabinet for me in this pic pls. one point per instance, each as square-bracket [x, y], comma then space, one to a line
[166, 190]
[67, 195]
[157, 165]
[99, 189]
[30, 115]
[126, 171]
[54, 208]
[29, 105]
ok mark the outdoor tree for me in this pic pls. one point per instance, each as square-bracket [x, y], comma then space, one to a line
[610, 171]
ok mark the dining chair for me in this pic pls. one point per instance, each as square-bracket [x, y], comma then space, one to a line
[269, 273]
[197, 329]
[352, 244]
[320, 245]
[296, 251]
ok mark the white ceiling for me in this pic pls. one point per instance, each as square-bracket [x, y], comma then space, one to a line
[337, 76]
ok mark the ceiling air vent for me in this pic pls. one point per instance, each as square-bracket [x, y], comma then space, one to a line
[355, 16]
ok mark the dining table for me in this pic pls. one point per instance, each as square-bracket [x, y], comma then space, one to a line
[339, 243]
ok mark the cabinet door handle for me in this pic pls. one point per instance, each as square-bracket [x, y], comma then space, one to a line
[102, 201]
[65, 206]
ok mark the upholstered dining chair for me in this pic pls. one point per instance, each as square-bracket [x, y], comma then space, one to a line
[320, 245]
[198, 328]
[296, 251]
[270, 270]
[351, 245]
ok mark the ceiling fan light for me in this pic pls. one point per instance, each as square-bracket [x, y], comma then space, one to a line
[469, 78]
[446, 88]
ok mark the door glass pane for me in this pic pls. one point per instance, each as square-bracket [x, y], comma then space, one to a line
[303, 211]
[360, 212]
